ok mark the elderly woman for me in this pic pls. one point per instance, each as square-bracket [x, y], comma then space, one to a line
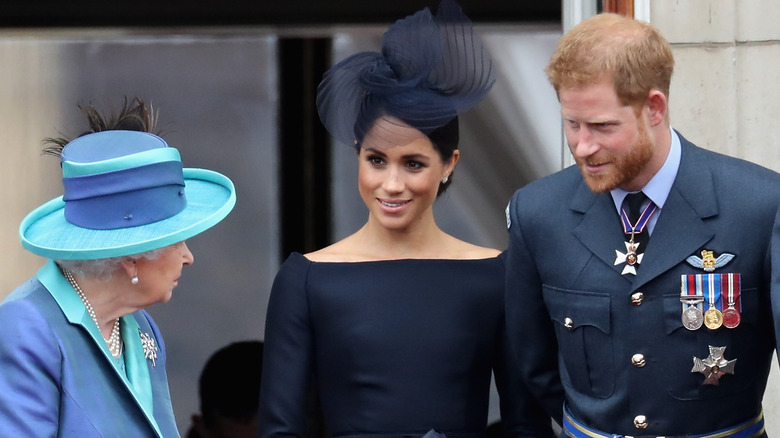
[79, 355]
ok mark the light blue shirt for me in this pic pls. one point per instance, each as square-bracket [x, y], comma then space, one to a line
[659, 186]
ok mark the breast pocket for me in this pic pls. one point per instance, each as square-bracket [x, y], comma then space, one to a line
[582, 325]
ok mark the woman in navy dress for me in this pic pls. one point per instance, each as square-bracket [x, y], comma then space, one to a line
[399, 325]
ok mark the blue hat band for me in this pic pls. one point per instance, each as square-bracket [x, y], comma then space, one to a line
[125, 198]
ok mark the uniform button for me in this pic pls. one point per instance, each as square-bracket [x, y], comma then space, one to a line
[568, 323]
[637, 298]
[638, 360]
[640, 422]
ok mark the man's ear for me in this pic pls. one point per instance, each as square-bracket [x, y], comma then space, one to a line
[657, 107]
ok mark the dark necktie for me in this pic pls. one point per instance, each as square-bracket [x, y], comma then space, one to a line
[634, 220]
[633, 206]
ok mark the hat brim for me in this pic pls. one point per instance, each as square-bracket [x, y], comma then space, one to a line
[45, 232]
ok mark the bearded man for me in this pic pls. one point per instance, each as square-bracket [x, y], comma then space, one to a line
[638, 282]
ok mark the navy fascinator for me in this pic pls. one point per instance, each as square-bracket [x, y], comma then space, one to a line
[431, 68]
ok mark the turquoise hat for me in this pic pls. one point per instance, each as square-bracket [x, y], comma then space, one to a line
[125, 193]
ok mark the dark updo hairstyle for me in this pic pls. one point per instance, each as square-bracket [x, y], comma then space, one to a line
[445, 140]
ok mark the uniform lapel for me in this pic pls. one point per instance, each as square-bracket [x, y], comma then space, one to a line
[680, 230]
[599, 229]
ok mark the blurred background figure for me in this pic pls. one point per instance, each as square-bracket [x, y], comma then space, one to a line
[228, 390]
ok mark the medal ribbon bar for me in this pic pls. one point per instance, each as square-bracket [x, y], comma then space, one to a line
[641, 223]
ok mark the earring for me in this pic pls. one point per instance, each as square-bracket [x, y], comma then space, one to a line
[134, 280]
[445, 179]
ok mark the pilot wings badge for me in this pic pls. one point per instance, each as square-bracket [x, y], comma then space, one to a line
[708, 262]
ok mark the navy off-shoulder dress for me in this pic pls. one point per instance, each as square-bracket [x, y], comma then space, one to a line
[396, 348]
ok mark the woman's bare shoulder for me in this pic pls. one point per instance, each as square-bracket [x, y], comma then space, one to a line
[342, 251]
[464, 250]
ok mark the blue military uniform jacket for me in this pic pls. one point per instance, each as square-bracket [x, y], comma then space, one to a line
[57, 381]
[615, 344]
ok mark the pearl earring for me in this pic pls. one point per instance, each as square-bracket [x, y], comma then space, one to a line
[445, 179]
[134, 280]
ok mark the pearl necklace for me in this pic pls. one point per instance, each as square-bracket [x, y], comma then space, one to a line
[114, 341]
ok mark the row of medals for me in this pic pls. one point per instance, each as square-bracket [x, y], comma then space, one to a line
[713, 319]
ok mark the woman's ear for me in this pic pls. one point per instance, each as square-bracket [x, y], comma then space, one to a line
[453, 161]
[128, 264]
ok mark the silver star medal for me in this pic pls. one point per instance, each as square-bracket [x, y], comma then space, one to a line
[630, 258]
[149, 346]
[714, 366]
